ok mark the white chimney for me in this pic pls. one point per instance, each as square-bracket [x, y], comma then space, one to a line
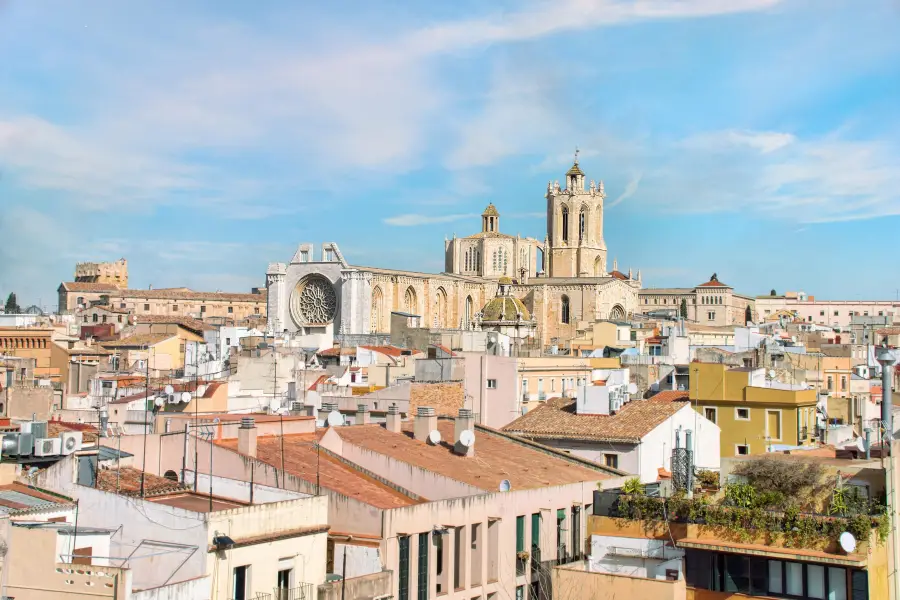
[362, 414]
[425, 423]
[392, 423]
[247, 437]
[465, 421]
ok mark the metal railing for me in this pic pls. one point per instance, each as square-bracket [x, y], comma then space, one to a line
[542, 396]
[304, 591]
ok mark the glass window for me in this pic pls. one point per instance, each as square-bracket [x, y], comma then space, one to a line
[837, 583]
[793, 579]
[859, 582]
[611, 460]
[736, 577]
[815, 581]
[776, 585]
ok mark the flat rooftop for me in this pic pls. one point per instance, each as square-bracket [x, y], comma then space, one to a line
[196, 502]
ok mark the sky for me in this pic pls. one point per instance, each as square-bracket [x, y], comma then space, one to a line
[758, 139]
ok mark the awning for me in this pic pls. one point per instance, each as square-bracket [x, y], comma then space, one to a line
[795, 554]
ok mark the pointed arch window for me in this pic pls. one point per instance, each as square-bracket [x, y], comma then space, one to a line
[565, 224]
[581, 225]
[564, 309]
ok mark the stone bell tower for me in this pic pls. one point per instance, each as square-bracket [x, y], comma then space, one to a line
[575, 226]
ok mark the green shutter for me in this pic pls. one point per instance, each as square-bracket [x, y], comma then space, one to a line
[536, 530]
[561, 514]
[520, 533]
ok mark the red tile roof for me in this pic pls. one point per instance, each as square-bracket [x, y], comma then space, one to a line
[393, 351]
[338, 352]
[714, 283]
[497, 457]
[445, 398]
[89, 432]
[83, 286]
[557, 419]
[301, 458]
[619, 275]
[127, 481]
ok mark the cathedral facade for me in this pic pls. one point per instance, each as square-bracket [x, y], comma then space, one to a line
[562, 282]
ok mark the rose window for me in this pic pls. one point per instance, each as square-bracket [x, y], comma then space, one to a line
[313, 302]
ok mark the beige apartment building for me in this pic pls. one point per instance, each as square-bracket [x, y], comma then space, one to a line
[173, 302]
[710, 303]
[831, 313]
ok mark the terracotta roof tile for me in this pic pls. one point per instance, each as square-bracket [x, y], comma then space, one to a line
[127, 481]
[300, 459]
[619, 275]
[140, 339]
[338, 351]
[83, 286]
[186, 294]
[195, 325]
[445, 398]
[497, 457]
[89, 432]
[393, 351]
[556, 418]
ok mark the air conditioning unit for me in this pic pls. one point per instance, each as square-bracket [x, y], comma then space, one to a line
[70, 441]
[296, 405]
[47, 446]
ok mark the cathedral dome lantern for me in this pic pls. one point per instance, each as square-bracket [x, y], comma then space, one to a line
[575, 177]
[490, 219]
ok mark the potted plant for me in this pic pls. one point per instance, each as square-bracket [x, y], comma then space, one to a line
[523, 555]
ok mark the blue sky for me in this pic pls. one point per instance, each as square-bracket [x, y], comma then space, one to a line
[759, 139]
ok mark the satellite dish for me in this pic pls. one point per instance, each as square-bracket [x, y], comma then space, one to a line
[169, 390]
[505, 485]
[848, 542]
[771, 373]
[434, 437]
[335, 419]
[467, 438]
[201, 390]
[185, 396]
[860, 444]
[632, 388]
[160, 400]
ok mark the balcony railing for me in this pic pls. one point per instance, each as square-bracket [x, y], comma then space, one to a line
[304, 591]
[542, 396]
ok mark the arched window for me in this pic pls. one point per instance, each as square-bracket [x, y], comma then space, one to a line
[470, 311]
[409, 300]
[377, 308]
[171, 475]
[564, 309]
[565, 224]
[581, 220]
[440, 308]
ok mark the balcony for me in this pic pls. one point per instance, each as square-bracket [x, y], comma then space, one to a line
[305, 591]
[542, 396]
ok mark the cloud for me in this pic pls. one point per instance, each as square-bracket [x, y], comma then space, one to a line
[630, 188]
[762, 141]
[413, 220]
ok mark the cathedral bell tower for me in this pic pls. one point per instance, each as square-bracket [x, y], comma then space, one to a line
[575, 226]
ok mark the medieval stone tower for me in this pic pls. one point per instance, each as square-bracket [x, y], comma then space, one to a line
[575, 246]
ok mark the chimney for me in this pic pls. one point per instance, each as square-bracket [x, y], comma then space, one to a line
[362, 414]
[310, 410]
[247, 437]
[393, 419]
[327, 407]
[425, 423]
[464, 421]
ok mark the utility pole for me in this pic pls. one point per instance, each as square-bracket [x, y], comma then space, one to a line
[146, 416]
[886, 359]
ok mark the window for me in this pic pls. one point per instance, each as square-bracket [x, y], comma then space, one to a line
[742, 414]
[564, 309]
[329, 255]
[581, 226]
[741, 449]
[611, 460]
[202, 309]
[821, 313]
[565, 224]
[240, 583]
[843, 383]
[284, 581]
[96, 317]
[520, 544]
[520, 592]
[256, 310]
[423, 566]
[120, 318]
[403, 541]
[304, 256]
[230, 310]
[174, 308]
[146, 308]
[576, 532]
[835, 313]
[552, 385]
[830, 383]
[711, 315]
[710, 414]
[492, 384]
[85, 318]
[122, 305]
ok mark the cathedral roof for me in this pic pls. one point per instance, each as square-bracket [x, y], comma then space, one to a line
[505, 308]
[490, 211]
[575, 170]
[489, 234]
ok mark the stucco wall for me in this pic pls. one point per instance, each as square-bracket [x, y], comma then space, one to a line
[568, 582]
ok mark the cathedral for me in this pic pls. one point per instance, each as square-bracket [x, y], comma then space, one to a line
[548, 287]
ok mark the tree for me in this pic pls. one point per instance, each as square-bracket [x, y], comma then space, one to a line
[12, 307]
[682, 310]
[748, 315]
[772, 293]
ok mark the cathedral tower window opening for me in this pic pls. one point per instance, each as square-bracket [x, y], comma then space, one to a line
[564, 309]
[410, 302]
[565, 224]
[581, 219]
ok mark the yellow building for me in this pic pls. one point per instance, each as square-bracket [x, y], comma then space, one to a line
[752, 413]
[601, 334]
[165, 352]
[33, 343]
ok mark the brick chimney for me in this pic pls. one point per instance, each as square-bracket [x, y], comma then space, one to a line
[247, 437]
[392, 423]
[362, 414]
[425, 423]
[464, 421]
